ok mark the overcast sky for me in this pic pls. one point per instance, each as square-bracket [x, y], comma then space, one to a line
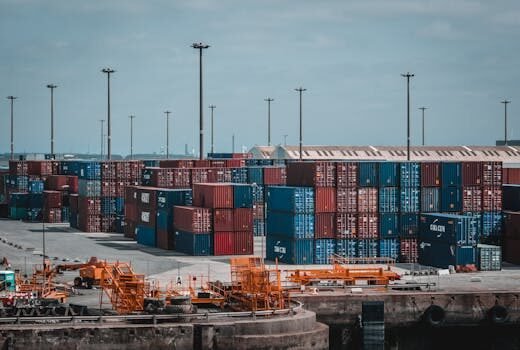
[348, 55]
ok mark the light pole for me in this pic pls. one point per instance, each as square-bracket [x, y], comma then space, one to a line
[131, 136]
[108, 71]
[269, 100]
[285, 139]
[301, 90]
[12, 98]
[505, 102]
[408, 76]
[52, 87]
[102, 143]
[167, 133]
[200, 47]
[422, 109]
[212, 107]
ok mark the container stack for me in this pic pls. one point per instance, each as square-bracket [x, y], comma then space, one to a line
[89, 190]
[193, 226]
[347, 209]
[146, 209]
[389, 196]
[52, 205]
[410, 202]
[166, 200]
[511, 241]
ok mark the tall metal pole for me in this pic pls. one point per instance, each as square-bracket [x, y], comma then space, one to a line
[102, 139]
[52, 87]
[422, 109]
[301, 90]
[269, 100]
[131, 136]
[200, 47]
[12, 98]
[108, 71]
[212, 142]
[408, 76]
[505, 102]
[167, 134]
[233, 143]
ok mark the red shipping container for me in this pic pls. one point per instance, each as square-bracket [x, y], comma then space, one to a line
[222, 219]
[275, 176]
[130, 228]
[409, 251]
[325, 199]
[223, 243]
[108, 171]
[368, 226]
[314, 174]
[52, 215]
[218, 163]
[511, 176]
[202, 163]
[108, 189]
[89, 223]
[511, 251]
[471, 199]
[346, 200]
[471, 173]
[213, 195]
[17, 167]
[52, 199]
[220, 175]
[72, 182]
[258, 211]
[74, 203]
[492, 198]
[346, 225]
[131, 211]
[492, 173]
[131, 194]
[199, 175]
[234, 163]
[243, 243]
[367, 200]
[347, 174]
[176, 163]
[164, 239]
[192, 219]
[55, 167]
[243, 219]
[39, 167]
[324, 225]
[512, 224]
[147, 196]
[430, 174]
[108, 223]
[56, 182]
[89, 206]
[181, 178]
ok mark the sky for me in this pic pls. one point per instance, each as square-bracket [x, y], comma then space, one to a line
[349, 55]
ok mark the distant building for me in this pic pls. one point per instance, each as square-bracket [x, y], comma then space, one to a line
[509, 143]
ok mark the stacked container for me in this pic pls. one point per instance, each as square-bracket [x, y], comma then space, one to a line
[389, 204]
[346, 233]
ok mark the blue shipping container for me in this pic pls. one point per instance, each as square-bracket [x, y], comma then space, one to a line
[410, 200]
[323, 249]
[290, 199]
[451, 174]
[368, 173]
[90, 170]
[36, 186]
[65, 214]
[242, 196]
[389, 200]
[239, 175]
[491, 223]
[389, 248]
[477, 216]
[255, 175]
[448, 228]
[89, 188]
[146, 177]
[34, 214]
[258, 194]
[20, 200]
[388, 174]
[367, 248]
[35, 200]
[164, 219]
[196, 244]
[410, 174]
[442, 255]
[388, 225]
[145, 235]
[258, 227]
[408, 225]
[346, 248]
[451, 199]
[430, 200]
[167, 198]
[108, 206]
[151, 163]
[290, 251]
[290, 225]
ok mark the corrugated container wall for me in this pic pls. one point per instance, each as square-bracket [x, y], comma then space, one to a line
[388, 174]
[368, 174]
[410, 174]
[443, 255]
[451, 174]
[290, 199]
[430, 174]
[347, 174]
[289, 251]
[199, 244]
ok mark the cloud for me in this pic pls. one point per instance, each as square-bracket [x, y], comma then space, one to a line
[507, 18]
[441, 30]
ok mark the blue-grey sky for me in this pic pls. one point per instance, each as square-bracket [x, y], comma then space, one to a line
[348, 54]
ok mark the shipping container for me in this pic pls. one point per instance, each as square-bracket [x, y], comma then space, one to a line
[145, 235]
[346, 248]
[242, 196]
[492, 173]
[57, 182]
[442, 254]
[471, 199]
[255, 174]
[368, 225]
[512, 225]
[477, 216]
[259, 211]
[492, 198]
[367, 248]
[243, 243]
[388, 174]
[290, 199]
[471, 173]
[492, 224]
[511, 176]
[192, 219]
[451, 199]
[164, 222]
[89, 206]
[489, 257]
[36, 186]
[451, 174]
[165, 239]
[239, 175]
[511, 197]
[325, 199]
[222, 220]
[17, 213]
[146, 217]
[430, 174]
[223, 243]
[213, 195]
[276, 175]
[52, 199]
[408, 225]
[199, 175]
[409, 250]
[346, 225]
[511, 251]
[20, 200]
[290, 225]
[258, 228]
[430, 200]
[324, 225]
[368, 174]
[367, 200]
[448, 228]
[388, 225]
[346, 200]
[410, 199]
[167, 198]
[35, 200]
[89, 171]
[196, 244]
[312, 174]
[243, 219]
[347, 174]
[175, 163]
[89, 188]
[389, 200]
[323, 250]
[39, 167]
[52, 215]
[258, 194]
[289, 251]
[389, 248]
[410, 174]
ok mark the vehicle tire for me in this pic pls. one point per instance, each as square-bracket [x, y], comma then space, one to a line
[434, 315]
[78, 282]
[497, 314]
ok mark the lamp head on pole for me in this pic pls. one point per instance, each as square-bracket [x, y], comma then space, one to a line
[108, 70]
[52, 86]
[199, 46]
